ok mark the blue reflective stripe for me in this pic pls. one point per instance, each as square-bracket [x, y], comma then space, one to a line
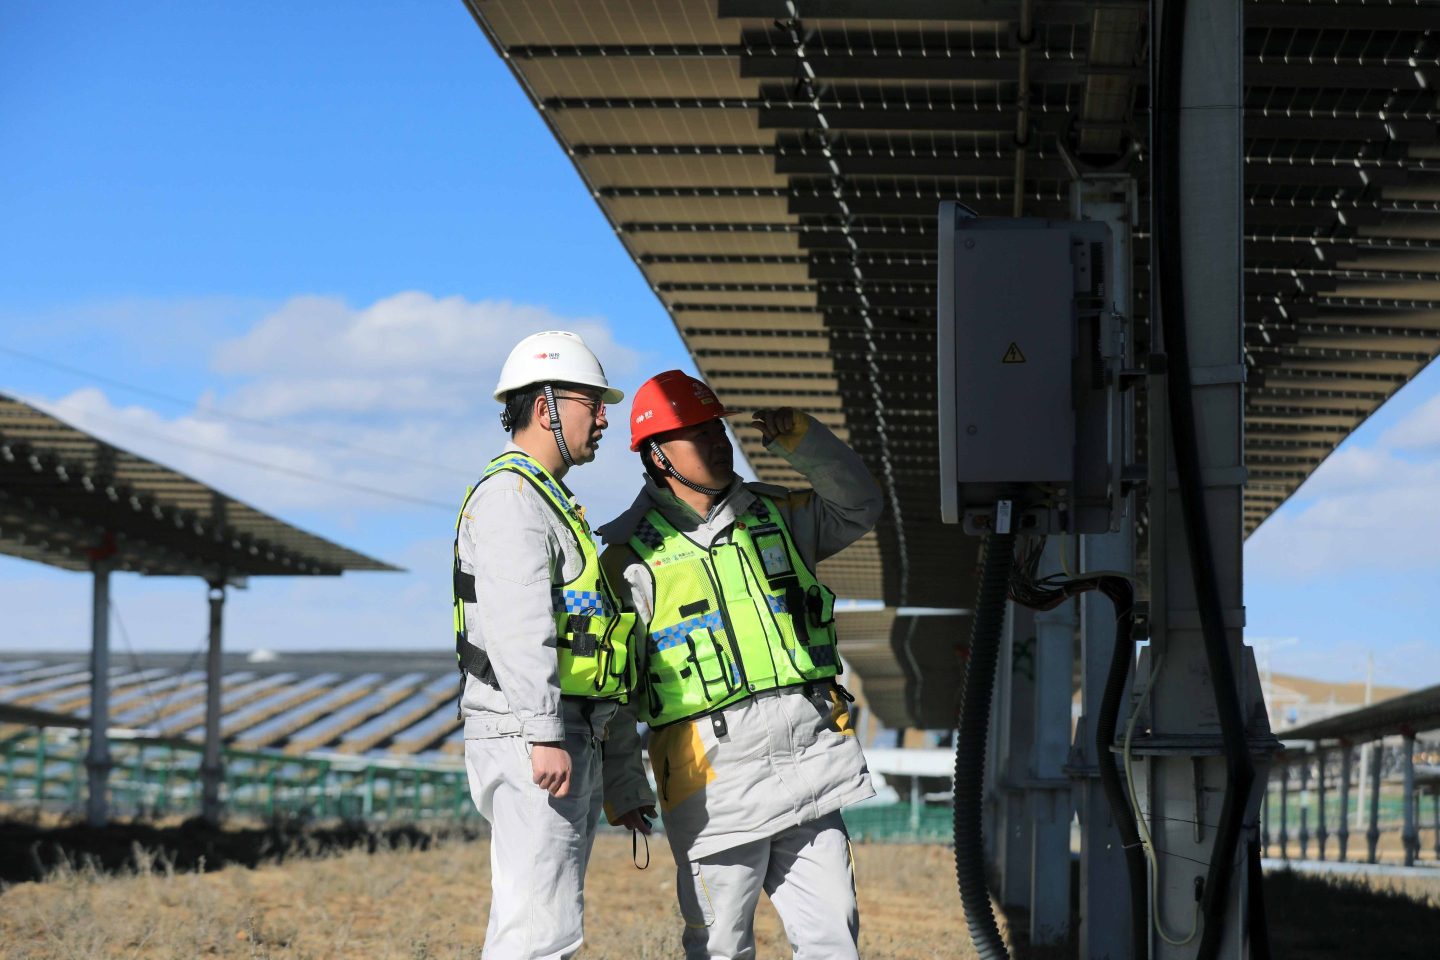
[777, 604]
[585, 602]
[676, 634]
[535, 471]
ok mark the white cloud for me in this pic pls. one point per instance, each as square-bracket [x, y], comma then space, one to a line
[1365, 508]
[1419, 431]
[313, 401]
[326, 402]
[403, 335]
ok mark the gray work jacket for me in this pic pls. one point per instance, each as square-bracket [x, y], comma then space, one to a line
[782, 760]
[515, 546]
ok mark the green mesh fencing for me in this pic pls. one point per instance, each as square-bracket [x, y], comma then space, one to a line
[45, 769]
[900, 823]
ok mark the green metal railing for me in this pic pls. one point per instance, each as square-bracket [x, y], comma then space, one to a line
[44, 767]
[900, 823]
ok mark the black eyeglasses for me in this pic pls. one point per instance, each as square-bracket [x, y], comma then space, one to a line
[596, 405]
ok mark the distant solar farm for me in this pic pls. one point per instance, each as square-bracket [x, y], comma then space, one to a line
[395, 705]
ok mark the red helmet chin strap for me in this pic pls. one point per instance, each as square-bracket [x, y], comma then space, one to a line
[670, 470]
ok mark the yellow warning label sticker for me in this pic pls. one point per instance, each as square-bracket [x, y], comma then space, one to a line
[1013, 355]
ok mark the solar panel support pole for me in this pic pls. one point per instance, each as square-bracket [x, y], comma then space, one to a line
[212, 768]
[1284, 809]
[1410, 834]
[1372, 835]
[1181, 772]
[1305, 806]
[1012, 722]
[97, 756]
[1342, 835]
[1113, 200]
[1048, 792]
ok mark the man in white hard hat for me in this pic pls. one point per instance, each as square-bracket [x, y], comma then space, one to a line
[545, 653]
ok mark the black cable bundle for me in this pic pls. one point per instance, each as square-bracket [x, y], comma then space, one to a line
[1006, 575]
[1168, 64]
[1122, 806]
[985, 632]
[1046, 594]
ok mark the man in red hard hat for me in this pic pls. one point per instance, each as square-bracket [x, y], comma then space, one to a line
[751, 743]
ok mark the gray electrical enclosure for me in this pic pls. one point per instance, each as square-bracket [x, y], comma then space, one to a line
[1028, 353]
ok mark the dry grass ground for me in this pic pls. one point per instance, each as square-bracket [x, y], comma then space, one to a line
[408, 903]
[414, 904]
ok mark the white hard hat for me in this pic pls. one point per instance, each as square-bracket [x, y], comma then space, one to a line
[555, 356]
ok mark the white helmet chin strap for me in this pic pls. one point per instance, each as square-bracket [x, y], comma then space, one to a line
[669, 469]
[555, 426]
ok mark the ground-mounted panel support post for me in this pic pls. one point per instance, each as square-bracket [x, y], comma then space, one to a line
[1372, 835]
[1305, 807]
[1013, 719]
[1048, 789]
[1104, 917]
[1342, 833]
[40, 762]
[1284, 809]
[1265, 822]
[212, 767]
[97, 755]
[1410, 835]
[1209, 731]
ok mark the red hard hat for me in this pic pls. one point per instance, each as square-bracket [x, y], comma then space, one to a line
[669, 401]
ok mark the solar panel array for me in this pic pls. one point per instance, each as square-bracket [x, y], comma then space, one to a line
[68, 498]
[390, 711]
[774, 170]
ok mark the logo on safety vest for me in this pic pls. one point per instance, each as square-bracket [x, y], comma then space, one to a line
[674, 558]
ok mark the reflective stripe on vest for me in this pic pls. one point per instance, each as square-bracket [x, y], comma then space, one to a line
[732, 620]
[594, 638]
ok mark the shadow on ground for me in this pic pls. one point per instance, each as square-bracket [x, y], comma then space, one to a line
[29, 851]
[1340, 917]
[1310, 918]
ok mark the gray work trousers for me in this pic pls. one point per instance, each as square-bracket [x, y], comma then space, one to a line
[809, 875]
[539, 846]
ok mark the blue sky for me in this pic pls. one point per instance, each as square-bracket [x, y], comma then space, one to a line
[336, 218]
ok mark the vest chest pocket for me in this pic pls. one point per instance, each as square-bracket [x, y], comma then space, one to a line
[717, 670]
[691, 652]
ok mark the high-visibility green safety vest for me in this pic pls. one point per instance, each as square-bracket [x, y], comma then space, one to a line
[594, 642]
[730, 621]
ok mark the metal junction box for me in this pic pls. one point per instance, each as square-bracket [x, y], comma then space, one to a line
[1028, 351]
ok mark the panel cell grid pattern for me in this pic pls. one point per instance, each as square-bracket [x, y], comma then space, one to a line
[776, 179]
